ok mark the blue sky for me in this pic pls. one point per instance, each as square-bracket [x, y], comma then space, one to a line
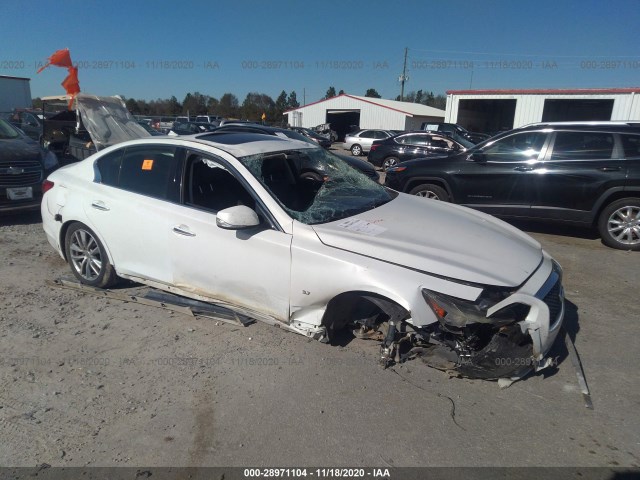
[155, 49]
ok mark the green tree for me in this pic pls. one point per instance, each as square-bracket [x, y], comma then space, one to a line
[292, 101]
[133, 106]
[256, 104]
[341, 92]
[330, 93]
[229, 106]
[281, 106]
[372, 93]
[213, 105]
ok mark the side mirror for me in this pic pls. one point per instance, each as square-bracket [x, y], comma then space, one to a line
[477, 157]
[237, 218]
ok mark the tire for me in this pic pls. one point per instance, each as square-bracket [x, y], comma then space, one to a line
[619, 224]
[428, 190]
[87, 257]
[390, 162]
[356, 150]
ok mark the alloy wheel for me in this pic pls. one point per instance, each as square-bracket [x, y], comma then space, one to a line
[85, 255]
[624, 225]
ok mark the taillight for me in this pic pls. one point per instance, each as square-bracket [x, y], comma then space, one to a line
[373, 147]
[46, 186]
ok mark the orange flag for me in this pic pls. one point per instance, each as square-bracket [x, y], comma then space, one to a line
[61, 58]
[71, 84]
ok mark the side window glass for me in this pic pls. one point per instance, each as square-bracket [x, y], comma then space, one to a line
[108, 167]
[516, 148]
[631, 145]
[151, 170]
[367, 134]
[210, 186]
[380, 135]
[582, 146]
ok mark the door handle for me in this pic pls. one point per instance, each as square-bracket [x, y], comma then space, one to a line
[183, 230]
[522, 168]
[99, 205]
[610, 169]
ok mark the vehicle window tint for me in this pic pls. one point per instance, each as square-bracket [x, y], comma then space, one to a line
[367, 134]
[151, 170]
[516, 148]
[631, 144]
[413, 139]
[209, 185]
[380, 135]
[582, 146]
[109, 168]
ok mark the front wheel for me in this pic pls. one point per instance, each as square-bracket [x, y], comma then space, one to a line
[356, 150]
[389, 162]
[433, 192]
[619, 224]
[88, 258]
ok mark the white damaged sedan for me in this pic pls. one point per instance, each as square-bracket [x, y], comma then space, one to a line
[289, 234]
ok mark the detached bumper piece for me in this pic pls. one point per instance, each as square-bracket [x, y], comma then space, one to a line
[167, 301]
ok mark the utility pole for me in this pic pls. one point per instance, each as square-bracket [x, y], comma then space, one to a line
[304, 97]
[403, 78]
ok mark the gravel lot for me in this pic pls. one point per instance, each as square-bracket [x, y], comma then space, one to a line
[92, 381]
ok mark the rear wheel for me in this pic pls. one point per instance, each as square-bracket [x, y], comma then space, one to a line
[88, 258]
[428, 190]
[619, 224]
[356, 150]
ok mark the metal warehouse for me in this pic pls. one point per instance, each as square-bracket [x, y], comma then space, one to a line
[491, 111]
[345, 110]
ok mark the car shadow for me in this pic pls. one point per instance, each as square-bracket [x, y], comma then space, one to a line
[23, 218]
[565, 230]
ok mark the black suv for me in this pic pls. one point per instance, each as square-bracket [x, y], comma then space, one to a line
[585, 173]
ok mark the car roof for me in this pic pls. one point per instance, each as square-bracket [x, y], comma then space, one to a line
[236, 144]
[595, 125]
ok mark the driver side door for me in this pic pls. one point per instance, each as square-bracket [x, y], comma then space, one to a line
[249, 268]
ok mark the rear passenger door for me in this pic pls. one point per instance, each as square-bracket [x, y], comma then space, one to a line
[132, 206]
[631, 147]
[578, 168]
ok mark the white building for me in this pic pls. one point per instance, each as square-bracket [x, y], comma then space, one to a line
[346, 110]
[15, 92]
[493, 110]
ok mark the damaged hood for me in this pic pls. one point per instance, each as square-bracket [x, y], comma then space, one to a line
[438, 238]
[107, 120]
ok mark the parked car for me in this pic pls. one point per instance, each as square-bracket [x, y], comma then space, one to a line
[152, 131]
[208, 118]
[579, 173]
[29, 121]
[313, 136]
[189, 128]
[326, 131]
[230, 218]
[454, 130]
[320, 170]
[24, 164]
[406, 146]
[360, 142]
[184, 120]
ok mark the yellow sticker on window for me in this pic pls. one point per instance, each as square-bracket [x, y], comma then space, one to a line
[147, 164]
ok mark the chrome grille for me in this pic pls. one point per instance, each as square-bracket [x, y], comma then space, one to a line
[18, 173]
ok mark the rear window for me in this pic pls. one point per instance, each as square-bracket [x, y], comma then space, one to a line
[582, 146]
[150, 170]
[631, 145]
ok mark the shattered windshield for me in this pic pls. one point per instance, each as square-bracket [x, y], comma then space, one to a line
[314, 186]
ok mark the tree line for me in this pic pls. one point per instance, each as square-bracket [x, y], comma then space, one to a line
[252, 108]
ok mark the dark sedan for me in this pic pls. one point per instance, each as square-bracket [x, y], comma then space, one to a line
[23, 166]
[319, 139]
[391, 151]
[358, 164]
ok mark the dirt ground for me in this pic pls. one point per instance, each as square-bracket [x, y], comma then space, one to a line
[91, 381]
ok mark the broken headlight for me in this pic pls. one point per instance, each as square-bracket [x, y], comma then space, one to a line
[457, 312]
